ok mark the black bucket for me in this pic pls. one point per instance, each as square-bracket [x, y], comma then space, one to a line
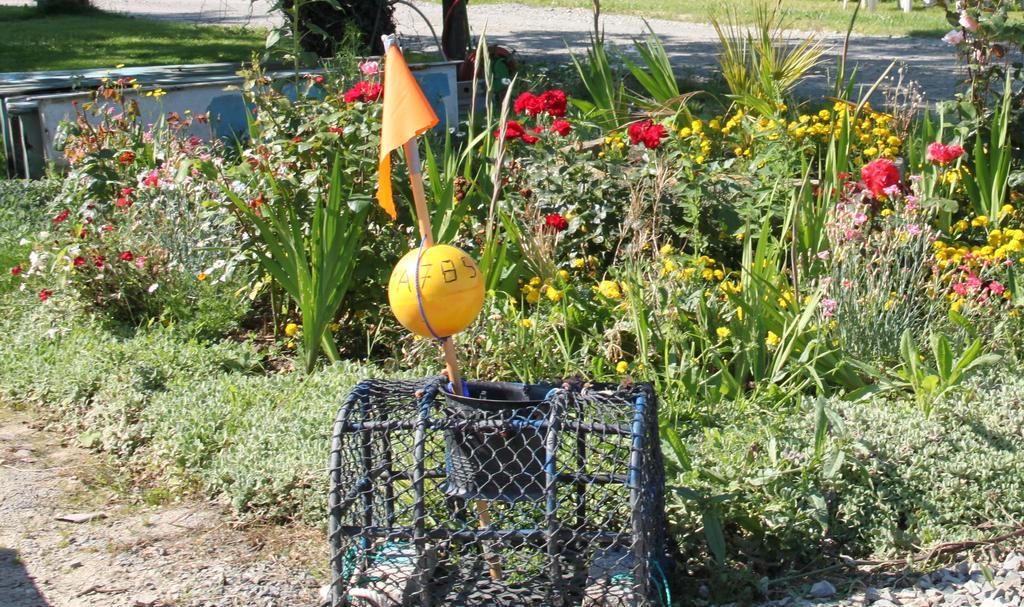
[494, 449]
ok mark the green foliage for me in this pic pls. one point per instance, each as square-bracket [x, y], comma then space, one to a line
[607, 104]
[878, 477]
[946, 371]
[987, 185]
[315, 268]
[762, 64]
[198, 415]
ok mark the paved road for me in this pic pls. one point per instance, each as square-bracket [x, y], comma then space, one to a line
[547, 32]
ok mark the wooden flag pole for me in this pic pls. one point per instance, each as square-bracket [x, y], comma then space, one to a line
[451, 362]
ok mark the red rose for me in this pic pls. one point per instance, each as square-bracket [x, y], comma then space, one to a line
[530, 139]
[555, 221]
[647, 133]
[513, 130]
[78, 261]
[127, 256]
[62, 216]
[296, 139]
[107, 228]
[123, 202]
[940, 153]
[318, 79]
[554, 102]
[529, 103]
[562, 127]
[98, 261]
[879, 175]
[16, 271]
[45, 294]
[126, 157]
[127, 191]
[363, 91]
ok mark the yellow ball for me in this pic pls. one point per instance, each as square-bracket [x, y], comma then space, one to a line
[451, 289]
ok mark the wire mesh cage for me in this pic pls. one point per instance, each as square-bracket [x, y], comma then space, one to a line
[514, 495]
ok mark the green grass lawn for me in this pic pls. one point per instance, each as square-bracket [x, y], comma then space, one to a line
[29, 42]
[813, 15]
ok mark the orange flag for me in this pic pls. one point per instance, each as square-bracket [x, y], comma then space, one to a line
[407, 113]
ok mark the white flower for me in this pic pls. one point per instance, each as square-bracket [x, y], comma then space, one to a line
[954, 37]
[24, 242]
[152, 287]
[43, 235]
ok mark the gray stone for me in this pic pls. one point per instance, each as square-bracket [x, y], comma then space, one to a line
[81, 517]
[822, 590]
[883, 603]
[1013, 562]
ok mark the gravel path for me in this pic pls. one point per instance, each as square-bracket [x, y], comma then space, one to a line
[128, 554]
[547, 32]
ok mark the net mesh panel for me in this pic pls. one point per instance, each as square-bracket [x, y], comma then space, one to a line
[554, 502]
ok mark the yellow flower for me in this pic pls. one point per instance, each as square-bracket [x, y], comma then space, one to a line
[665, 250]
[201, 276]
[960, 226]
[333, 327]
[886, 212]
[291, 329]
[980, 221]
[723, 332]
[563, 275]
[535, 281]
[610, 289]
[772, 340]
[685, 132]
[526, 323]
[290, 345]
[554, 294]
[533, 296]
[621, 367]
[1007, 209]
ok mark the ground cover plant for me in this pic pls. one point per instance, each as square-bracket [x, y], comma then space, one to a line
[96, 39]
[825, 292]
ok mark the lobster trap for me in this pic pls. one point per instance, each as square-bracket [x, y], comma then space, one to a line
[512, 495]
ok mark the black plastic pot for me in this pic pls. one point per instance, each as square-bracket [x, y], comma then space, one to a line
[494, 446]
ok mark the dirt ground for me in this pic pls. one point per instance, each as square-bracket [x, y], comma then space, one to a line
[178, 553]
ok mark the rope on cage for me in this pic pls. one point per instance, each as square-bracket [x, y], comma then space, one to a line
[662, 580]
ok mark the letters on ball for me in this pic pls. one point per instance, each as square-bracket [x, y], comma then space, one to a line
[451, 290]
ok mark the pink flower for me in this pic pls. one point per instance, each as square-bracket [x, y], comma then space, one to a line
[823, 255]
[968, 22]
[954, 38]
[369, 68]
[913, 229]
[828, 307]
[973, 282]
[941, 154]
[847, 283]
[152, 180]
[996, 287]
[859, 218]
[960, 288]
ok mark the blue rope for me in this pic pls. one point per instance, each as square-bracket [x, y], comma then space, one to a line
[423, 314]
[419, 294]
